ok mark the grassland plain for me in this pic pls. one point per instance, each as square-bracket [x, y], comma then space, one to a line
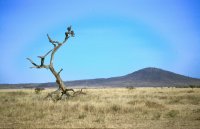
[138, 108]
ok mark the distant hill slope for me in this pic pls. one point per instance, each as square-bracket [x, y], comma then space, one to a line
[147, 77]
[144, 77]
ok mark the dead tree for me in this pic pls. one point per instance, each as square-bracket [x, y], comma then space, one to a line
[56, 45]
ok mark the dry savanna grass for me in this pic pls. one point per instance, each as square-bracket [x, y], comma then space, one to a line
[152, 108]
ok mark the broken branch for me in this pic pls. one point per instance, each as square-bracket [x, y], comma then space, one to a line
[60, 71]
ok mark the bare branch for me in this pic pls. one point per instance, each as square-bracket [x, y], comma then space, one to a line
[79, 92]
[70, 90]
[53, 52]
[45, 54]
[32, 62]
[37, 66]
[43, 58]
[53, 42]
[60, 71]
[48, 53]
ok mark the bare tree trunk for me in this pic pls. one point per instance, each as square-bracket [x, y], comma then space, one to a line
[59, 81]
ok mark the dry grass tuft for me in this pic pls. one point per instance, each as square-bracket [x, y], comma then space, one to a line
[155, 105]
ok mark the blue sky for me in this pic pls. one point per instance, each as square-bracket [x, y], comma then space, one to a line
[112, 38]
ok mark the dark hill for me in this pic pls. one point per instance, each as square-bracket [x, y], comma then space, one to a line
[147, 77]
[144, 77]
[159, 77]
